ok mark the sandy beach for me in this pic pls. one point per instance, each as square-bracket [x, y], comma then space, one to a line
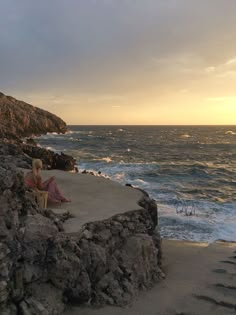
[200, 277]
[200, 280]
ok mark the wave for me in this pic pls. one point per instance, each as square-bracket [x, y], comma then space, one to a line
[52, 133]
[106, 159]
[230, 132]
[185, 136]
[51, 149]
[199, 227]
[169, 166]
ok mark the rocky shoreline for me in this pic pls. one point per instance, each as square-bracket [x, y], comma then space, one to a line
[42, 268]
[19, 120]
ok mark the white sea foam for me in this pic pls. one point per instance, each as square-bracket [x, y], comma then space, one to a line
[72, 132]
[140, 181]
[230, 132]
[167, 173]
[119, 177]
[51, 149]
[51, 134]
[106, 159]
[226, 232]
[200, 227]
[185, 136]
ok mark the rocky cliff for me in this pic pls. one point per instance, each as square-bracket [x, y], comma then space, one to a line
[19, 119]
[42, 268]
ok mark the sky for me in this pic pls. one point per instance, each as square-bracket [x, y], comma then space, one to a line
[141, 62]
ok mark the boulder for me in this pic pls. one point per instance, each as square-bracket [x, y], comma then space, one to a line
[21, 155]
[50, 159]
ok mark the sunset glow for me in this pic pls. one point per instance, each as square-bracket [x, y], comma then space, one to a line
[122, 62]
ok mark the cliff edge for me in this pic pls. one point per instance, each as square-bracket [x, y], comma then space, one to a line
[19, 119]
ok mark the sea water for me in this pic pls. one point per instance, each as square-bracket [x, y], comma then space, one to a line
[189, 170]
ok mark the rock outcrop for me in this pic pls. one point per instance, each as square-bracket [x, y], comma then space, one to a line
[51, 160]
[42, 268]
[21, 155]
[19, 119]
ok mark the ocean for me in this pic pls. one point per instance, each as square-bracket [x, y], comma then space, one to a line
[190, 171]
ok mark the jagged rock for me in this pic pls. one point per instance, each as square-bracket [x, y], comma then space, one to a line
[50, 159]
[112, 260]
[44, 298]
[21, 155]
[19, 119]
[12, 154]
[32, 307]
[31, 141]
[41, 268]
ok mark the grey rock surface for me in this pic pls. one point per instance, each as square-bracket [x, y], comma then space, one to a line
[42, 268]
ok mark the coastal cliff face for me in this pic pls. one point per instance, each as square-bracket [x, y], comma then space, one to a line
[42, 269]
[19, 119]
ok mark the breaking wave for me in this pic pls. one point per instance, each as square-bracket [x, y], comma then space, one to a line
[191, 176]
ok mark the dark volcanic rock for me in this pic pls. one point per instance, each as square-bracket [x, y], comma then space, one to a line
[21, 155]
[19, 119]
[50, 159]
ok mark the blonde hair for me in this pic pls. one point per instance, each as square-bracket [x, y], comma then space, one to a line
[36, 163]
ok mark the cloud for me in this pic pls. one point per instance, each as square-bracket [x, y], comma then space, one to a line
[222, 99]
[210, 69]
[231, 62]
[102, 48]
[227, 69]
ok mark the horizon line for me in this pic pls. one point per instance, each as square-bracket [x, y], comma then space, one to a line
[161, 125]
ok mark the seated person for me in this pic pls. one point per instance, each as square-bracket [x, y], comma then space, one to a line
[34, 181]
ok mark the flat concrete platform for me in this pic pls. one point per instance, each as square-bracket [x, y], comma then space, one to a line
[93, 198]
